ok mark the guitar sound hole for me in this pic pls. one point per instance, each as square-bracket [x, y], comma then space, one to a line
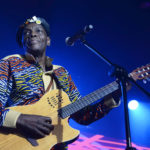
[53, 101]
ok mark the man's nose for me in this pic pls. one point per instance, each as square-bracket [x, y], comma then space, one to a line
[33, 34]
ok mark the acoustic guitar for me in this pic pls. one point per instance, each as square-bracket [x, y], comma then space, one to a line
[56, 104]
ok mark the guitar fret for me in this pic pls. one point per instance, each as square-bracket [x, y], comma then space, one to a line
[63, 112]
[88, 99]
[72, 108]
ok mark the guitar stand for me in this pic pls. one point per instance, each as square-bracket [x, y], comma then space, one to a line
[121, 74]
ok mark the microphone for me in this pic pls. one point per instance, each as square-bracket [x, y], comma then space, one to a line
[71, 40]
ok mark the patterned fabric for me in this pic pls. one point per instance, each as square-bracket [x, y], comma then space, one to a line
[67, 84]
[21, 84]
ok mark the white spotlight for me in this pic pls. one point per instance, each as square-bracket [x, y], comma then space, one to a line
[133, 104]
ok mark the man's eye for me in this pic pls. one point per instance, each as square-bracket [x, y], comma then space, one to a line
[39, 30]
[27, 33]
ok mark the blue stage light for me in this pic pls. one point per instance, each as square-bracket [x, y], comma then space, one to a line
[133, 104]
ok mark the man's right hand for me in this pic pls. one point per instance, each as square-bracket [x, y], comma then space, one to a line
[34, 126]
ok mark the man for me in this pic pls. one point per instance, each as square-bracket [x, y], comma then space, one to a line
[26, 78]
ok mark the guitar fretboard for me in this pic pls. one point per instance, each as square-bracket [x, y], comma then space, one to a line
[87, 100]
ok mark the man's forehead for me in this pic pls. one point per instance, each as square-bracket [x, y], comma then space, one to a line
[32, 26]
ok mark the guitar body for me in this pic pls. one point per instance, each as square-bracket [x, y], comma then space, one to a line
[48, 105]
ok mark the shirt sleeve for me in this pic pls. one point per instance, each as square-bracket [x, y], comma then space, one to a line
[5, 88]
[91, 113]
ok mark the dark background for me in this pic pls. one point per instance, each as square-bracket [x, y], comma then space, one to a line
[121, 33]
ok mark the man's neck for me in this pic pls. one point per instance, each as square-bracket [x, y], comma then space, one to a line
[40, 58]
[41, 61]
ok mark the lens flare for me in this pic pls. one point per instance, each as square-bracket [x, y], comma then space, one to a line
[133, 104]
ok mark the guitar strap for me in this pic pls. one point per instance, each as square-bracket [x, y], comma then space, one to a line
[50, 84]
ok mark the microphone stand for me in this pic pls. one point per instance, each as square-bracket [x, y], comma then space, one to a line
[121, 74]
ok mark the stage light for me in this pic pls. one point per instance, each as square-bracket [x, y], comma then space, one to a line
[133, 104]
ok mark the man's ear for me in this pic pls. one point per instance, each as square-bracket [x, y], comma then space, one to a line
[48, 41]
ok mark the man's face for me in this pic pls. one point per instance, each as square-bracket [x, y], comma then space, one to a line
[35, 39]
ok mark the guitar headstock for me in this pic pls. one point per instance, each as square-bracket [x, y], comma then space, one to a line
[141, 73]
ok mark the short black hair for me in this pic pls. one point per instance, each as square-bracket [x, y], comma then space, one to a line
[34, 19]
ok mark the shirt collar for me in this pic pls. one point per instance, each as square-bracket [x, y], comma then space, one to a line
[30, 58]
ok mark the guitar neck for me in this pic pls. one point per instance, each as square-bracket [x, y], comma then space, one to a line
[88, 99]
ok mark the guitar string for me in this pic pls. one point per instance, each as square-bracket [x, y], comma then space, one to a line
[88, 99]
[82, 103]
[99, 94]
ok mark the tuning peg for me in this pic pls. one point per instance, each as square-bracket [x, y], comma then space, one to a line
[144, 81]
